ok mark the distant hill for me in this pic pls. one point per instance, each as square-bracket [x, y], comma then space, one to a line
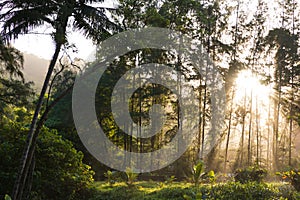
[35, 69]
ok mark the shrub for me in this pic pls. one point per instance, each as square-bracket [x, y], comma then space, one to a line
[59, 171]
[237, 190]
[287, 191]
[211, 177]
[250, 174]
[293, 176]
[59, 168]
[131, 177]
[198, 172]
[110, 177]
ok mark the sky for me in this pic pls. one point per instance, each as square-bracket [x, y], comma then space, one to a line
[42, 45]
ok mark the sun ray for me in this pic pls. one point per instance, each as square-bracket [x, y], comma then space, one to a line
[248, 85]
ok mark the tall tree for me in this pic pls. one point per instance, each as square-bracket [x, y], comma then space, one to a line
[21, 17]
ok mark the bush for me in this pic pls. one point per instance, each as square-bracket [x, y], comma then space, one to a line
[249, 191]
[110, 177]
[211, 177]
[198, 172]
[250, 174]
[59, 171]
[293, 176]
[131, 177]
[287, 191]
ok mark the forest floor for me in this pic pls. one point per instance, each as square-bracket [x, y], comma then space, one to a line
[188, 191]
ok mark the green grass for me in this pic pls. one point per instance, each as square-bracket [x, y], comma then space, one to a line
[187, 191]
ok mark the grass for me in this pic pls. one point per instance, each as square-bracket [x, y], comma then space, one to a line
[187, 191]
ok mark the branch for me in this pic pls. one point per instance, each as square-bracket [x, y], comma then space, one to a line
[53, 79]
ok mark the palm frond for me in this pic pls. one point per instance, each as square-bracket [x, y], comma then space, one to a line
[94, 23]
[20, 21]
[11, 61]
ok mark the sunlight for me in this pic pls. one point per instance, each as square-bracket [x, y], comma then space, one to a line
[248, 84]
[249, 87]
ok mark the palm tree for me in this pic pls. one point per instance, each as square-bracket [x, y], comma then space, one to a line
[11, 61]
[21, 17]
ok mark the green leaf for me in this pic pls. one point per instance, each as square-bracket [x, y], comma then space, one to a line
[7, 197]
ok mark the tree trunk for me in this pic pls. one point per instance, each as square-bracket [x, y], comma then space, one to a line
[276, 125]
[229, 129]
[26, 158]
[243, 130]
[250, 128]
[292, 93]
[39, 126]
[257, 131]
[203, 122]
[200, 121]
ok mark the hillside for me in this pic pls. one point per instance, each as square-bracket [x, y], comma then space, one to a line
[35, 69]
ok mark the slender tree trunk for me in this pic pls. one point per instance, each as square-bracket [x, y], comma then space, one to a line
[291, 131]
[257, 131]
[140, 139]
[26, 159]
[243, 130]
[200, 120]
[30, 179]
[292, 94]
[268, 137]
[39, 126]
[291, 119]
[250, 128]
[203, 122]
[277, 114]
[229, 129]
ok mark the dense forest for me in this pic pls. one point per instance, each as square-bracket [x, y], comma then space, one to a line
[245, 147]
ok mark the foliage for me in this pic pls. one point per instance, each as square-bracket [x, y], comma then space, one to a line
[11, 61]
[13, 88]
[211, 176]
[60, 116]
[197, 172]
[293, 176]
[59, 171]
[131, 177]
[7, 197]
[170, 180]
[250, 174]
[15, 92]
[179, 191]
[110, 177]
[86, 19]
[24, 17]
[66, 174]
[288, 191]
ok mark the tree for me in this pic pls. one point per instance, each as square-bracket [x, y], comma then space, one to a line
[13, 88]
[11, 61]
[20, 17]
[53, 177]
